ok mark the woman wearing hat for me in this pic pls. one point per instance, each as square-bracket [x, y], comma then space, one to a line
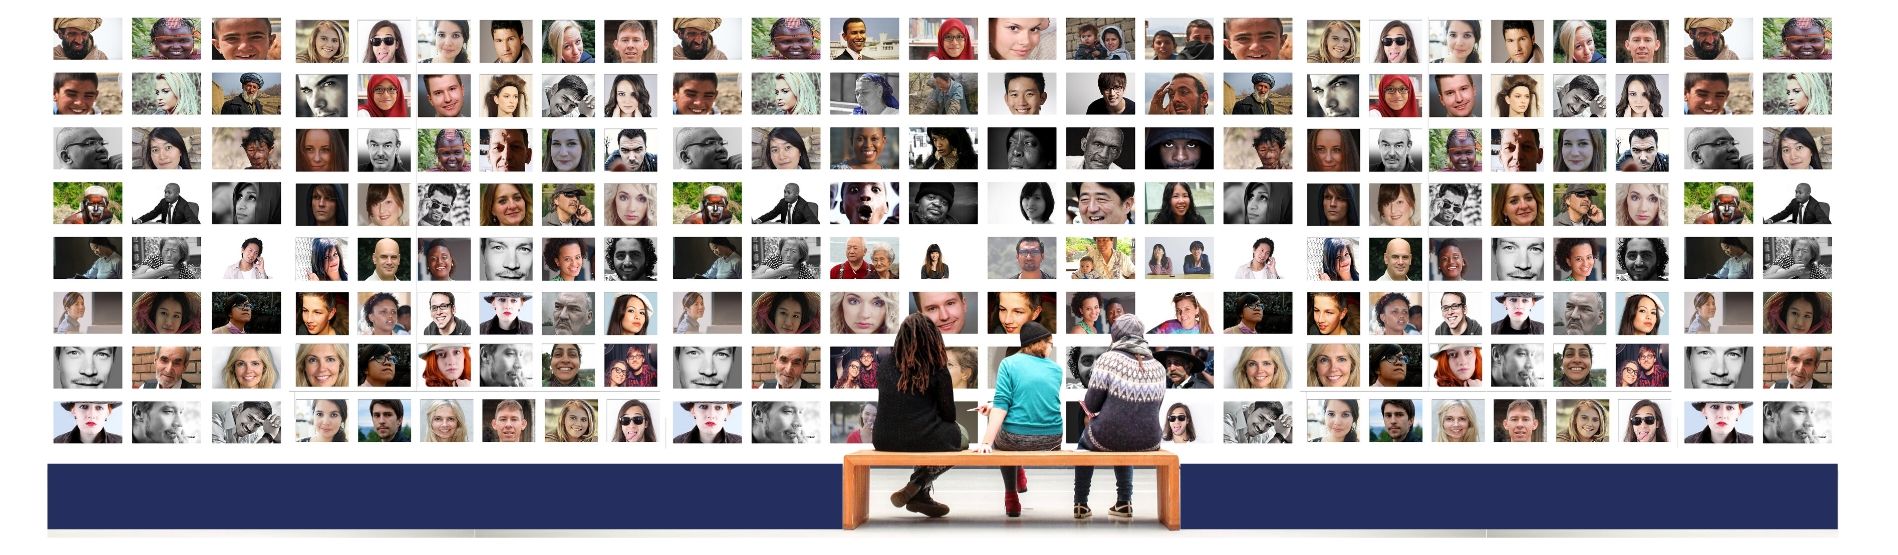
[1459, 365]
[1026, 412]
[708, 422]
[446, 365]
[916, 410]
[1723, 421]
[89, 421]
[1121, 407]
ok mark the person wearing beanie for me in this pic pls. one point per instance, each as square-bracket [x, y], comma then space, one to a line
[1026, 412]
[1122, 408]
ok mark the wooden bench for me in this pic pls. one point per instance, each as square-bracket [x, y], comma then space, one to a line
[857, 472]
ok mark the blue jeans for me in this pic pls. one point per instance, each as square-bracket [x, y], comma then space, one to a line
[1084, 481]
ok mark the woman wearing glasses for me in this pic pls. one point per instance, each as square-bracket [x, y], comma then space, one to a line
[1393, 365]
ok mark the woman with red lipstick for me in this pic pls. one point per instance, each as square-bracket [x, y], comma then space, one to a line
[708, 422]
[1723, 422]
[89, 420]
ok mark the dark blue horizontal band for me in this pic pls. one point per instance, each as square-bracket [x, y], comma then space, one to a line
[1510, 496]
[809, 496]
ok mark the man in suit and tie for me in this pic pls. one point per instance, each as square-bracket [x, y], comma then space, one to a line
[792, 210]
[1803, 209]
[172, 210]
[856, 35]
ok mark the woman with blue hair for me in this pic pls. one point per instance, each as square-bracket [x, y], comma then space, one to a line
[875, 95]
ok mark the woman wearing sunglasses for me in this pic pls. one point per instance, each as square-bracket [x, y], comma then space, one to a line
[635, 422]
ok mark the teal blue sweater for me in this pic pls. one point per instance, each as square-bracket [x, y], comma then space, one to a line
[1029, 388]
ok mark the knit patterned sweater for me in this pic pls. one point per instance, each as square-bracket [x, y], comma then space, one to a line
[1124, 392]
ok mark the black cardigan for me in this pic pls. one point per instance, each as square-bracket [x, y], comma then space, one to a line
[915, 423]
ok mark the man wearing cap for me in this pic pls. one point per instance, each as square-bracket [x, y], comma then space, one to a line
[714, 208]
[695, 39]
[173, 38]
[1709, 39]
[933, 201]
[1726, 208]
[1579, 208]
[95, 208]
[792, 210]
[708, 422]
[1183, 370]
[1180, 148]
[250, 102]
[75, 42]
[568, 207]
[1260, 101]
[1714, 148]
[1025, 414]
[89, 420]
[507, 314]
[1723, 422]
[1516, 320]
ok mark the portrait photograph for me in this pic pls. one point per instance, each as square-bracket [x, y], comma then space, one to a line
[323, 95]
[1332, 420]
[1796, 94]
[1257, 203]
[322, 41]
[934, 203]
[166, 421]
[89, 148]
[787, 148]
[1456, 95]
[1582, 96]
[93, 38]
[384, 95]
[1021, 148]
[88, 312]
[168, 367]
[88, 422]
[1173, 257]
[786, 94]
[1795, 148]
[1456, 150]
[321, 150]
[865, 148]
[866, 93]
[170, 148]
[1394, 150]
[1099, 148]
[857, 367]
[944, 148]
[166, 94]
[1457, 421]
[569, 41]
[1576, 365]
[157, 38]
[786, 38]
[1189, 148]
[788, 367]
[1521, 420]
[1255, 93]
[864, 38]
[1706, 94]
[508, 420]
[77, 367]
[1254, 422]
[1104, 93]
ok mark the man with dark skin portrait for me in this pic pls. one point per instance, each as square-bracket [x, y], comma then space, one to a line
[451, 151]
[173, 38]
[792, 210]
[1100, 149]
[1803, 209]
[508, 150]
[249, 38]
[82, 148]
[1184, 95]
[1804, 38]
[75, 39]
[1180, 148]
[702, 148]
[173, 209]
[856, 35]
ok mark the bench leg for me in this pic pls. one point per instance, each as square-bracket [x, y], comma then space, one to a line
[1168, 478]
[856, 495]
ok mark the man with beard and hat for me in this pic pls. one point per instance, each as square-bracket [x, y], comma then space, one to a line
[75, 39]
[1709, 39]
[933, 201]
[1183, 370]
[250, 102]
[695, 39]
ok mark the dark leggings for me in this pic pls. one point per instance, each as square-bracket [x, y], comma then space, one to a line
[1013, 442]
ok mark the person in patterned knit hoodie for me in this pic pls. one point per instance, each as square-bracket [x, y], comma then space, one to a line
[1124, 393]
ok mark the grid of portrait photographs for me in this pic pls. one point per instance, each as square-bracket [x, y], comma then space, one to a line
[644, 230]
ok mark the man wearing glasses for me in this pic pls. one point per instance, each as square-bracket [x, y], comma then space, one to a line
[568, 207]
[1455, 316]
[437, 202]
[441, 312]
[1029, 254]
[701, 148]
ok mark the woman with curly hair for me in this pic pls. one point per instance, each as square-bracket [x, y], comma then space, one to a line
[631, 98]
[1640, 98]
[507, 97]
[1517, 97]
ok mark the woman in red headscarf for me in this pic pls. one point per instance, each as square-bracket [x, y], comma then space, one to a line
[1396, 97]
[953, 41]
[385, 98]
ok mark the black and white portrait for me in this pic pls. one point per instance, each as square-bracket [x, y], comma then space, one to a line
[88, 148]
[442, 204]
[568, 96]
[1332, 96]
[567, 313]
[1258, 203]
[1456, 204]
[1641, 259]
[382, 150]
[629, 259]
[942, 203]
[323, 96]
[785, 257]
[1395, 150]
